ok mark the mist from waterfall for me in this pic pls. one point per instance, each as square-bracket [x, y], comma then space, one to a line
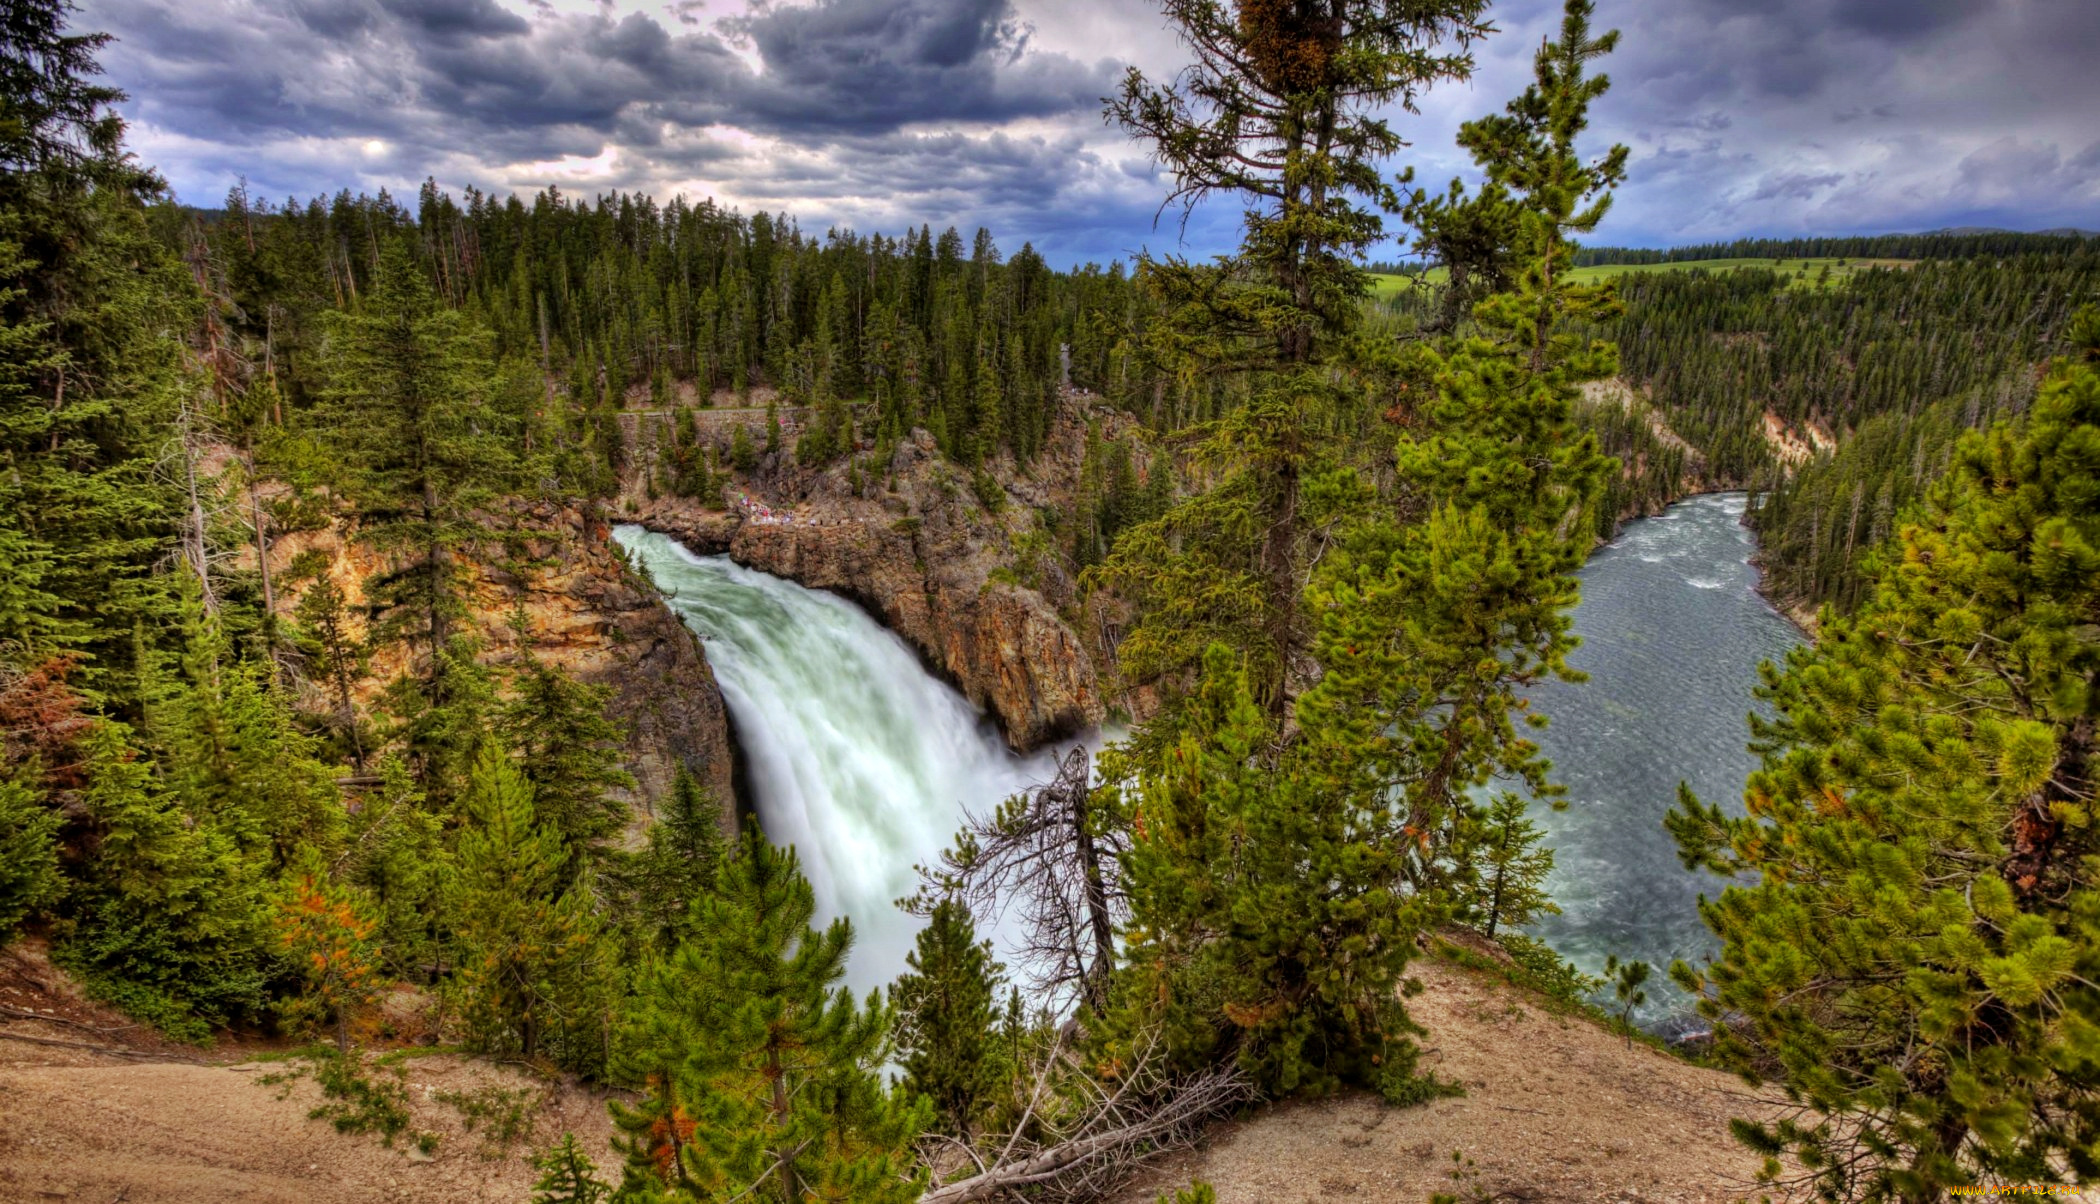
[855, 754]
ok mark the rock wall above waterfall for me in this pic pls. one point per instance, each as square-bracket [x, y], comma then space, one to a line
[554, 584]
[915, 541]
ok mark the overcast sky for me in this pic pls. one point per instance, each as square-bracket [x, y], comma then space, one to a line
[1746, 117]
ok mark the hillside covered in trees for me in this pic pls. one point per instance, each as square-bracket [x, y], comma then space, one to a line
[1837, 400]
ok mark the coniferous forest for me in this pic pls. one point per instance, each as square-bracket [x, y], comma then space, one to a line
[1344, 532]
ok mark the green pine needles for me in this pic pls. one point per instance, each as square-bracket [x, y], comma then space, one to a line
[947, 1020]
[1916, 966]
[764, 1075]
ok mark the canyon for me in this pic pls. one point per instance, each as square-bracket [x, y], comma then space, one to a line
[918, 544]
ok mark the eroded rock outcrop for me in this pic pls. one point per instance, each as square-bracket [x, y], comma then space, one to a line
[916, 541]
[554, 586]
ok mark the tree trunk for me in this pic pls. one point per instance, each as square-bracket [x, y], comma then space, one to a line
[1279, 561]
[1096, 890]
[783, 1159]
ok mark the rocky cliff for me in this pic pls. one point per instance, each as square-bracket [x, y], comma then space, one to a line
[954, 562]
[554, 585]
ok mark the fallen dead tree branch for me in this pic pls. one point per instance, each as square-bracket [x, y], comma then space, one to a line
[13, 1013]
[1122, 1130]
[106, 1051]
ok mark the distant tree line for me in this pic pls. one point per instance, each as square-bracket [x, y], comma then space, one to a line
[1929, 245]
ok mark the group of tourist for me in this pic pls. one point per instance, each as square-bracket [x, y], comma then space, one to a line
[759, 512]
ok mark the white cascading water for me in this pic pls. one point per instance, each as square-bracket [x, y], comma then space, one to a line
[856, 755]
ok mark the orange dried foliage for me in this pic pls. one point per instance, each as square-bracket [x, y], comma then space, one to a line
[43, 717]
[1291, 43]
[327, 935]
[667, 1134]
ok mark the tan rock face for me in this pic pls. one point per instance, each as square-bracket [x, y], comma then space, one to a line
[919, 550]
[1000, 644]
[556, 587]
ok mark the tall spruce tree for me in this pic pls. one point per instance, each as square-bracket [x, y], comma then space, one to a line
[1277, 878]
[763, 1075]
[29, 877]
[406, 405]
[1280, 107]
[169, 920]
[685, 851]
[90, 366]
[1266, 924]
[946, 1018]
[526, 937]
[569, 751]
[1916, 963]
[1435, 617]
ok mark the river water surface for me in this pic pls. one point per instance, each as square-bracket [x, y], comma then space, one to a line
[865, 761]
[1672, 633]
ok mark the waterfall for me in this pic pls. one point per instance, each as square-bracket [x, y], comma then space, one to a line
[855, 754]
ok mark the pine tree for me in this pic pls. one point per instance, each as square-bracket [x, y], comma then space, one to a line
[90, 370]
[1915, 964]
[325, 932]
[1432, 629]
[29, 877]
[567, 1176]
[742, 456]
[1265, 927]
[337, 656]
[169, 922]
[1509, 889]
[1280, 108]
[946, 1019]
[521, 935]
[569, 752]
[1277, 882]
[1627, 981]
[230, 749]
[678, 865]
[764, 1077]
[396, 854]
[406, 407]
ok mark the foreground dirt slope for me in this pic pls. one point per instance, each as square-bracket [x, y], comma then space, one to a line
[1556, 1110]
[188, 1134]
[94, 1110]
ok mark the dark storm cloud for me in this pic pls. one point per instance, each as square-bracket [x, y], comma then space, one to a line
[461, 75]
[462, 19]
[449, 71]
[312, 95]
[862, 65]
[1842, 116]
[1745, 116]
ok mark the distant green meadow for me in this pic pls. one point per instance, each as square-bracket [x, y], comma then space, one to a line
[1802, 271]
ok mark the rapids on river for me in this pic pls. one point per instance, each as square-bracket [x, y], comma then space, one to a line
[1673, 630]
[864, 761]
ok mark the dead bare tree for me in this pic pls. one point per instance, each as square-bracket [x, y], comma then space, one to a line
[1050, 858]
[1115, 1126]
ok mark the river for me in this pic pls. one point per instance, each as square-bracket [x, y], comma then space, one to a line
[865, 761]
[1672, 633]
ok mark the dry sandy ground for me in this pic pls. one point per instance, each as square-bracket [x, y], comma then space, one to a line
[1556, 1110]
[80, 1125]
